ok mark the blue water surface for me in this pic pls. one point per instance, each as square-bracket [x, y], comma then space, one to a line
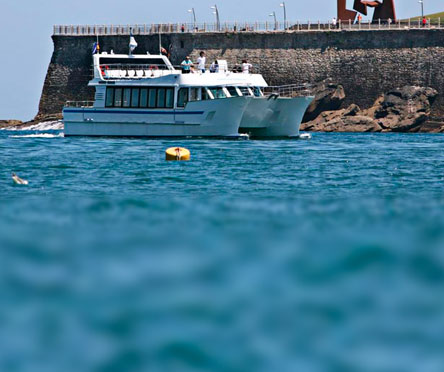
[320, 255]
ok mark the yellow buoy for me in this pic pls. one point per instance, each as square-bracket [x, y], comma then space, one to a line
[177, 153]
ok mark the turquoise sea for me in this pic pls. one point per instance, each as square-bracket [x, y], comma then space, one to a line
[264, 256]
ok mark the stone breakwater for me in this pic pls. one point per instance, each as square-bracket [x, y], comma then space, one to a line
[365, 63]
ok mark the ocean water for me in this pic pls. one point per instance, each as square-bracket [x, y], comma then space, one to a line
[319, 255]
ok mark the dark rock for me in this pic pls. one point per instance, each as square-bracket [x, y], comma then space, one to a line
[9, 123]
[328, 96]
[345, 120]
[404, 109]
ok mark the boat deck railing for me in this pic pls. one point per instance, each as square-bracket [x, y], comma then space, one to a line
[290, 91]
[79, 104]
[261, 26]
[142, 71]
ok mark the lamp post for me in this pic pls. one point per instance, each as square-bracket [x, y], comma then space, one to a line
[422, 8]
[194, 17]
[285, 14]
[275, 20]
[216, 12]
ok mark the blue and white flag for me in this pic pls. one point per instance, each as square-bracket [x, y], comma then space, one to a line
[95, 48]
[133, 42]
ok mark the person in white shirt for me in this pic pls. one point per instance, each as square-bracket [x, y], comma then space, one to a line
[201, 62]
[246, 66]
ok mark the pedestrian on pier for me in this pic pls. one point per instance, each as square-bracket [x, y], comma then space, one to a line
[424, 21]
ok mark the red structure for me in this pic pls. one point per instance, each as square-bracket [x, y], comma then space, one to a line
[384, 10]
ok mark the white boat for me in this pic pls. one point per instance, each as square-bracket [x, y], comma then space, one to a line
[145, 95]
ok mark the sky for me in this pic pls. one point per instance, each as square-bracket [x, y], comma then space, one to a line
[26, 28]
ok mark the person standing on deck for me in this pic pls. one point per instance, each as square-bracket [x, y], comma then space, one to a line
[201, 62]
[246, 66]
[186, 65]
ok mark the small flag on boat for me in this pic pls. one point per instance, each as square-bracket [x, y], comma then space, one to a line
[95, 48]
[133, 42]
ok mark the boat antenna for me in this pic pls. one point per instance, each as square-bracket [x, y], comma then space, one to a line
[160, 40]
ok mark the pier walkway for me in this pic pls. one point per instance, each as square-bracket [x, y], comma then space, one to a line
[317, 26]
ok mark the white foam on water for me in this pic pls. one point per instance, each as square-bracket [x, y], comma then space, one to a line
[43, 126]
[39, 135]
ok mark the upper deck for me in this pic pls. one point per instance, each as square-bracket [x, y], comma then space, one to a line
[150, 69]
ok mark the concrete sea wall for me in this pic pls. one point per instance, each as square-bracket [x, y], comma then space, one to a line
[366, 63]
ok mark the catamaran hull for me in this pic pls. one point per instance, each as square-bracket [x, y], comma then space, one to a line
[274, 117]
[209, 118]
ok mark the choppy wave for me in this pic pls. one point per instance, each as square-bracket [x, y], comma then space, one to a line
[38, 135]
[43, 126]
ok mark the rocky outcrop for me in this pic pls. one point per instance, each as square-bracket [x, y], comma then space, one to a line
[406, 109]
[9, 123]
[328, 96]
[345, 120]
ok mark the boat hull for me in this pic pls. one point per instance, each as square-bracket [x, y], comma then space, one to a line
[274, 117]
[209, 118]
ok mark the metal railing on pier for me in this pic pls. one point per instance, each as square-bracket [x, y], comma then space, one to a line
[165, 28]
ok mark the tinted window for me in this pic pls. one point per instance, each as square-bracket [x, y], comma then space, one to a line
[161, 97]
[245, 91]
[126, 97]
[194, 94]
[205, 94]
[118, 97]
[135, 97]
[152, 98]
[143, 97]
[169, 98]
[218, 92]
[257, 92]
[109, 97]
[233, 92]
[182, 97]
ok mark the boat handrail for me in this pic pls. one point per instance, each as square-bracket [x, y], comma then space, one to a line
[112, 71]
[289, 90]
[79, 104]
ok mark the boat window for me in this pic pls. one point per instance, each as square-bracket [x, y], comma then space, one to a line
[182, 97]
[257, 92]
[245, 91]
[135, 97]
[118, 97]
[205, 94]
[161, 97]
[218, 92]
[109, 97]
[143, 97]
[126, 97]
[152, 98]
[194, 94]
[233, 91]
[169, 102]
